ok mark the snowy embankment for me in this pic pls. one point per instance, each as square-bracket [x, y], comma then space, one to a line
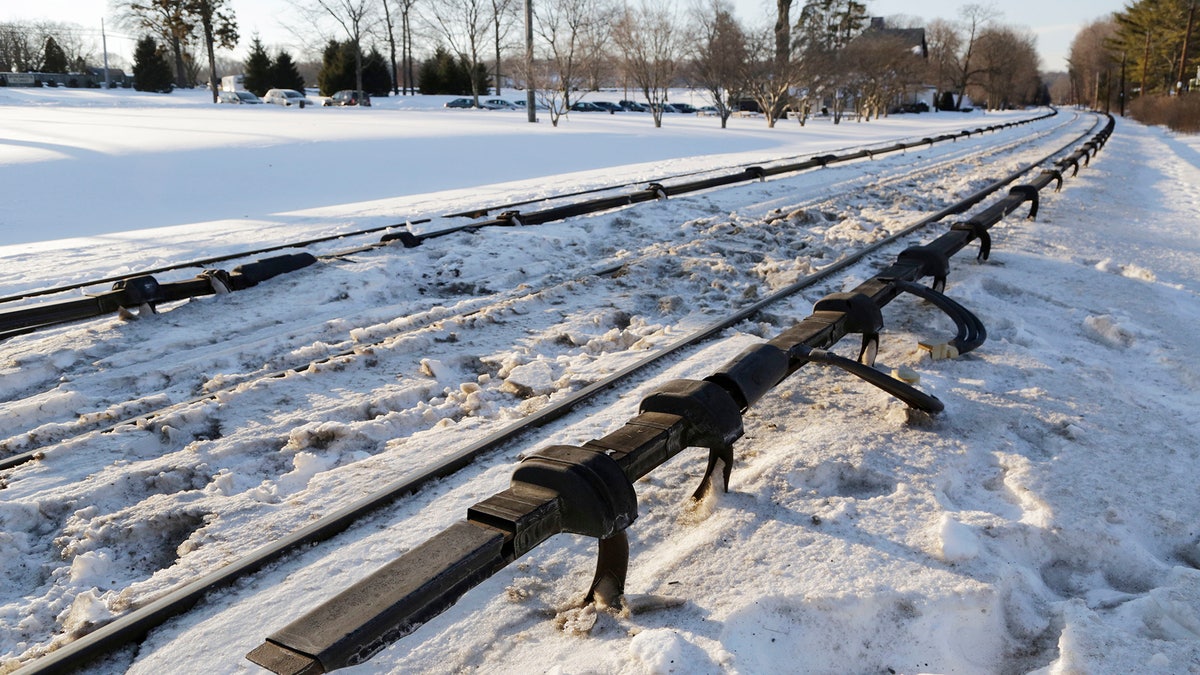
[1047, 520]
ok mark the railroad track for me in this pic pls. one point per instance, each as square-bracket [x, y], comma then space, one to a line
[422, 327]
[425, 390]
[182, 377]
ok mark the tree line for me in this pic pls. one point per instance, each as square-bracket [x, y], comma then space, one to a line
[811, 56]
[1147, 49]
[43, 47]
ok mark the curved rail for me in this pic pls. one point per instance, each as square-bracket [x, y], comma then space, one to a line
[31, 453]
[588, 490]
[140, 290]
[136, 623]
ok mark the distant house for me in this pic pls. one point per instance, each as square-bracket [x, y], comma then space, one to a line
[913, 37]
[915, 96]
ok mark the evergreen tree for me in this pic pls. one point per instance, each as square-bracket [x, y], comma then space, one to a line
[377, 77]
[337, 68]
[440, 74]
[427, 75]
[1158, 42]
[55, 60]
[284, 73]
[257, 75]
[443, 74]
[151, 71]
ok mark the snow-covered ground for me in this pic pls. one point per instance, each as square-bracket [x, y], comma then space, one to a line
[1047, 520]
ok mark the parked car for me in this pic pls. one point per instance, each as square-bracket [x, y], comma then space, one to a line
[609, 106]
[685, 108]
[286, 97]
[522, 104]
[237, 97]
[634, 106]
[349, 97]
[586, 106]
[460, 103]
[497, 104]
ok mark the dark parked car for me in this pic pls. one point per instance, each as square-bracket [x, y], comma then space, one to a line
[237, 97]
[609, 106]
[634, 106]
[349, 97]
[686, 108]
[586, 106]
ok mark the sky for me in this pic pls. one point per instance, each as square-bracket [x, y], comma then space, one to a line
[1054, 23]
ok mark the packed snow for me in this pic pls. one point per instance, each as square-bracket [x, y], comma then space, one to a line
[1046, 522]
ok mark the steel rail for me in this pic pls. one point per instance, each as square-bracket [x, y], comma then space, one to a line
[485, 210]
[588, 490]
[10, 326]
[135, 624]
[656, 191]
[23, 457]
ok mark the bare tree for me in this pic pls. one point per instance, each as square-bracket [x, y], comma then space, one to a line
[882, 68]
[402, 73]
[563, 28]
[718, 55]
[390, 27]
[548, 98]
[767, 79]
[783, 57]
[503, 17]
[966, 69]
[1090, 61]
[944, 45]
[355, 17]
[23, 45]
[823, 32]
[1008, 62]
[598, 59]
[651, 48]
[405, 77]
[464, 24]
[166, 19]
[220, 29]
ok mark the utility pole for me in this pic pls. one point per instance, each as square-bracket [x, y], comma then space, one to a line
[1122, 94]
[530, 99]
[1107, 91]
[1187, 38]
[104, 48]
[1145, 64]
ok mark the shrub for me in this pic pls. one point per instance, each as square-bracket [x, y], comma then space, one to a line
[1181, 113]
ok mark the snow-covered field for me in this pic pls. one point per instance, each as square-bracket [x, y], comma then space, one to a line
[1047, 521]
